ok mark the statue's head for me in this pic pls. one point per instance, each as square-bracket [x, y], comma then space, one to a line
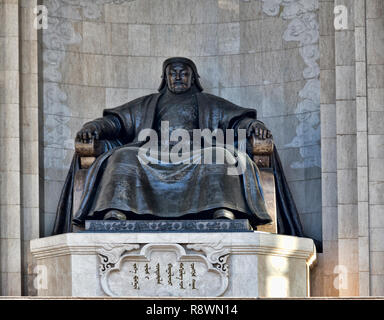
[179, 75]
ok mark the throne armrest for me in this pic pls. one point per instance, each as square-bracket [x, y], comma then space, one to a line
[88, 152]
[262, 151]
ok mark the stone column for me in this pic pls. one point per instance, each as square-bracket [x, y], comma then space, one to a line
[19, 149]
[375, 119]
[344, 164]
[328, 260]
[10, 263]
[29, 130]
[348, 241]
[357, 234]
[362, 146]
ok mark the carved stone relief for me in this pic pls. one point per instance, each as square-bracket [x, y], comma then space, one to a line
[163, 270]
[56, 38]
[304, 29]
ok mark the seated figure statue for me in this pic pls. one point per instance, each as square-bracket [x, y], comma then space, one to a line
[156, 162]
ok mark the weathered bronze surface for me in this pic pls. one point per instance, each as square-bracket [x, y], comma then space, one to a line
[118, 180]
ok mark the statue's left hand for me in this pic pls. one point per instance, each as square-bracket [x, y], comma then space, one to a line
[259, 131]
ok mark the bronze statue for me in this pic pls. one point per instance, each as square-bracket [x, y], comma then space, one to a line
[122, 183]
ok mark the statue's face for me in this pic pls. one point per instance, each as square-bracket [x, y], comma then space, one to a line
[179, 77]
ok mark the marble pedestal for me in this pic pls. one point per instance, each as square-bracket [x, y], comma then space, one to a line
[242, 264]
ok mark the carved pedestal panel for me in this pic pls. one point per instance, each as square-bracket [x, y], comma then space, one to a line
[163, 270]
[248, 264]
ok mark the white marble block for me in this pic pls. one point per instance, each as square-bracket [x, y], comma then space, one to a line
[238, 264]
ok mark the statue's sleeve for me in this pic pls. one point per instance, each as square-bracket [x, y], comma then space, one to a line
[123, 120]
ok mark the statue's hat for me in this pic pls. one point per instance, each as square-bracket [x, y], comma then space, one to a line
[186, 61]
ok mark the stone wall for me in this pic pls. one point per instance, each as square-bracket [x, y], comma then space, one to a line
[352, 78]
[328, 260]
[9, 149]
[19, 149]
[101, 54]
[373, 196]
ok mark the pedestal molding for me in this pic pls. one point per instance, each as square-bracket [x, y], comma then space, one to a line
[66, 247]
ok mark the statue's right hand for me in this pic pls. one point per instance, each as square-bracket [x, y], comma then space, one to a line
[90, 131]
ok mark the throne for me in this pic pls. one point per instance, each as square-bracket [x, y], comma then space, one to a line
[261, 150]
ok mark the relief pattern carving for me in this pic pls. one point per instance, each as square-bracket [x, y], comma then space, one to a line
[56, 38]
[303, 28]
[163, 270]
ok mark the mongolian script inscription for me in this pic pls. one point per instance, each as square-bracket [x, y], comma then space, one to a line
[162, 270]
[182, 275]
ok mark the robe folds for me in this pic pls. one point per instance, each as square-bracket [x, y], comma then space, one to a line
[118, 179]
